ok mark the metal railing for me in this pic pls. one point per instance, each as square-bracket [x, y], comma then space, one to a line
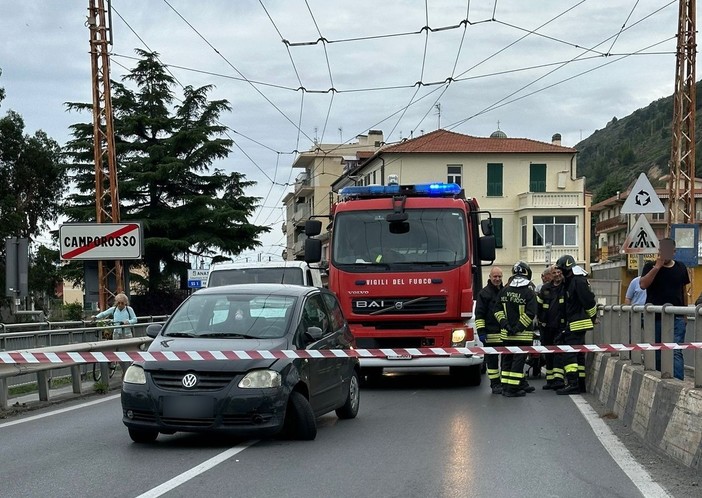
[635, 324]
[62, 336]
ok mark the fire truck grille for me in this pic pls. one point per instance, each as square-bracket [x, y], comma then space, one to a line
[399, 305]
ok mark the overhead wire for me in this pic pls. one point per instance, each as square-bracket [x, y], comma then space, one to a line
[623, 26]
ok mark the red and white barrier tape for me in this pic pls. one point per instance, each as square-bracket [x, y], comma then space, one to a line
[26, 357]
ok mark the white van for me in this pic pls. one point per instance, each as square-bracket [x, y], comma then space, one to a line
[271, 272]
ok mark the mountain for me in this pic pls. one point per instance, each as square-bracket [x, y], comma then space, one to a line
[612, 158]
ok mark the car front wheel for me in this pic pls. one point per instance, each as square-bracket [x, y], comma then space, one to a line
[300, 422]
[353, 399]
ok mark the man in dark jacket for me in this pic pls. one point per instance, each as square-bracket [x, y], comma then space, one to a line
[580, 313]
[515, 312]
[551, 318]
[488, 327]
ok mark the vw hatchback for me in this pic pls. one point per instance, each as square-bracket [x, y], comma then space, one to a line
[246, 397]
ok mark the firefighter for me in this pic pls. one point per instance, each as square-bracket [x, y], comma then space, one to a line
[515, 312]
[580, 314]
[551, 318]
[488, 327]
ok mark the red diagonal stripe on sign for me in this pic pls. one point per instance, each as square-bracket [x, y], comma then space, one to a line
[117, 233]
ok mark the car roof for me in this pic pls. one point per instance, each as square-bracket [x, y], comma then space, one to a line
[263, 264]
[280, 289]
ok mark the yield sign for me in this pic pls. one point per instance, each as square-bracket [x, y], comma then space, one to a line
[641, 239]
[642, 198]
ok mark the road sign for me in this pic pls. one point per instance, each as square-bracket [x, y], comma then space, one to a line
[642, 239]
[100, 241]
[197, 278]
[686, 237]
[642, 198]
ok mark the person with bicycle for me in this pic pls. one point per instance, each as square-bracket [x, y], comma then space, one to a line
[122, 314]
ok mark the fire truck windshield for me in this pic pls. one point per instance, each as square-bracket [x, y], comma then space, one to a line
[429, 236]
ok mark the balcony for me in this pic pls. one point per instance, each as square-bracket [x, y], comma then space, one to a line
[299, 246]
[550, 200]
[537, 254]
[301, 215]
[610, 253]
[611, 224]
[284, 228]
[303, 184]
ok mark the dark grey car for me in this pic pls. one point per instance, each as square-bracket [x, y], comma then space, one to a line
[247, 397]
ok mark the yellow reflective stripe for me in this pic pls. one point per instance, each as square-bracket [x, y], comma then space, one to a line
[592, 311]
[581, 375]
[585, 324]
[493, 376]
[480, 323]
[545, 306]
[500, 315]
[493, 370]
[494, 337]
[378, 258]
[558, 375]
[511, 382]
[525, 320]
[572, 368]
[539, 300]
[561, 300]
[557, 370]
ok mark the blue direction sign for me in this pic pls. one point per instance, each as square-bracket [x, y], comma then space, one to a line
[194, 284]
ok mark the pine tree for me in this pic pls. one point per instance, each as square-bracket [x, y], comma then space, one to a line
[166, 148]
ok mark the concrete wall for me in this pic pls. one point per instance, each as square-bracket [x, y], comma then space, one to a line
[665, 414]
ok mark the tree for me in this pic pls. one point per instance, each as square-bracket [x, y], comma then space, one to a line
[44, 272]
[165, 154]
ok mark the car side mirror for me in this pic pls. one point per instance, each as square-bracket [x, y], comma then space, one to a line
[153, 330]
[313, 333]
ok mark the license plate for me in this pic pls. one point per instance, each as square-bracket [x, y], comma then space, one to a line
[188, 407]
[400, 357]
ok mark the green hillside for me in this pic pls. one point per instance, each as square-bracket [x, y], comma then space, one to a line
[611, 158]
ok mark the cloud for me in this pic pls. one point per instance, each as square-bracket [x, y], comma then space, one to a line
[45, 62]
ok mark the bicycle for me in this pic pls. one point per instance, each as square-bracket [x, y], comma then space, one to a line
[106, 336]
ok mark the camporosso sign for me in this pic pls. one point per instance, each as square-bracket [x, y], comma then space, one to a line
[100, 241]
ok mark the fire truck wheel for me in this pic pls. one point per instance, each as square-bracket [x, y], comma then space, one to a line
[466, 376]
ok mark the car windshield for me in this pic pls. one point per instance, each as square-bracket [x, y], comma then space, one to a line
[256, 316]
[428, 237]
[291, 275]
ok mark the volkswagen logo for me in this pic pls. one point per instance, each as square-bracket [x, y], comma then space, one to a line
[189, 380]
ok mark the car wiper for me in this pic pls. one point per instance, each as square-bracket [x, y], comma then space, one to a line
[228, 335]
[179, 334]
[434, 263]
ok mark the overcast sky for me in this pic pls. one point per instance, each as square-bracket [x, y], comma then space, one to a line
[45, 62]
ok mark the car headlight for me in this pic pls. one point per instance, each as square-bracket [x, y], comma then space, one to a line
[458, 335]
[134, 375]
[260, 379]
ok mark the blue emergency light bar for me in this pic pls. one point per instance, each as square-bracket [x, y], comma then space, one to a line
[428, 189]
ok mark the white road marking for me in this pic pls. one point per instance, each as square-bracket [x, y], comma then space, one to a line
[60, 410]
[195, 471]
[620, 454]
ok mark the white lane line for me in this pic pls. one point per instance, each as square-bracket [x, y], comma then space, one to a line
[61, 410]
[195, 471]
[636, 473]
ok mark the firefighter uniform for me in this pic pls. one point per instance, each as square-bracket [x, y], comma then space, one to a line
[581, 311]
[551, 318]
[515, 312]
[489, 328]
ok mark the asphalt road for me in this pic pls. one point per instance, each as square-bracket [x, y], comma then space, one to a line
[415, 436]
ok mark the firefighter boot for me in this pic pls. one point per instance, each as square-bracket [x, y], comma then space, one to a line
[496, 386]
[513, 392]
[582, 385]
[549, 384]
[524, 386]
[573, 386]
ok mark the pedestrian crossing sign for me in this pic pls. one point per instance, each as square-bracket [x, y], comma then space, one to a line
[642, 239]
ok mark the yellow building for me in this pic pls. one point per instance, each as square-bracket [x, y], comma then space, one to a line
[539, 206]
[321, 166]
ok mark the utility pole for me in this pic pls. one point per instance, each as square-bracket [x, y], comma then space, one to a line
[681, 188]
[438, 111]
[106, 193]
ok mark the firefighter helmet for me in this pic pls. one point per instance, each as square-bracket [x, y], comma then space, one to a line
[565, 263]
[522, 269]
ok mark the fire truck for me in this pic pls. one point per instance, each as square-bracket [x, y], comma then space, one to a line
[405, 262]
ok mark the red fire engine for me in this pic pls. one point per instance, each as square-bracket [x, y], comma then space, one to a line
[405, 262]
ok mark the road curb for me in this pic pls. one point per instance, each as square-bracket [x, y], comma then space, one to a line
[665, 414]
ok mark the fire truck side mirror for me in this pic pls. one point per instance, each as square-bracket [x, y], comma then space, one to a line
[486, 227]
[313, 250]
[487, 248]
[313, 227]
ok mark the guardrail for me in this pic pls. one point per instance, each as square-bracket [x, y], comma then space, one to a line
[635, 324]
[58, 337]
